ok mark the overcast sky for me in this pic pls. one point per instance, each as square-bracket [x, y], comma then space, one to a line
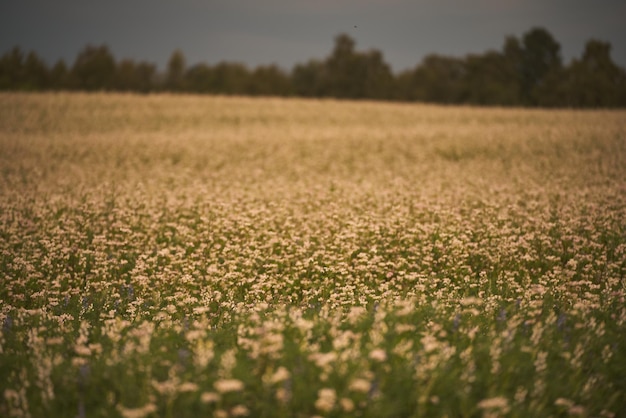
[287, 32]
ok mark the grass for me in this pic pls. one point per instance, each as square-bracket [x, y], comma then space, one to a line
[184, 256]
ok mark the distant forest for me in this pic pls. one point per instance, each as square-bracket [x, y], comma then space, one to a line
[527, 71]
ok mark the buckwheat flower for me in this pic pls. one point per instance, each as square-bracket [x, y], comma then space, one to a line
[79, 361]
[203, 353]
[360, 385]
[282, 395]
[430, 343]
[471, 300]
[564, 402]
[227, 362]
[520, 394]
[209, 397]
[82, 350]
[54, 341]
[607, 353]
[400, 328]
[499, 402]
[378, 354]
[188, 387]
[347, 404]
[355, 314]
[541, 362]
[471, 311]
[228, 385]
[220, 413]
[11, 395]
[198, 310]
[239, 411]
[326, 399]
[323, 359]
[194, 334]
[472, 332]
[95, 348]
[576, 410]
[166, 387]
[406, 308]
[280, 375]
[142, 412]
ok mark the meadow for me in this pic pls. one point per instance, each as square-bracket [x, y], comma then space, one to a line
[188, 256]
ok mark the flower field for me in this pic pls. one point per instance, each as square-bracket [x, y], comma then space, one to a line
[194, 256]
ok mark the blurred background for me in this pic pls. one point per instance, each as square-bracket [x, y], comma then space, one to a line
[531, 53]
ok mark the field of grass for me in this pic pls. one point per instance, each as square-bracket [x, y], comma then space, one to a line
[181, 256]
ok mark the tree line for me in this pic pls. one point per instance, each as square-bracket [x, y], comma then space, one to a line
[527, 71]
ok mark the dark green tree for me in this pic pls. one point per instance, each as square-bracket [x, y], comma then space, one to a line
[347, 73]
[437, 79]
[308, 79]
[341, 70]
[200, 78]
[132, 76]
[594, 80]
[231, 78]
[377, 76]
[145, 76]
[175, 76]
[527, 71]
[513, 54]
[269, 81]
[19, 72]
[490, 80]
[125, 76]
[94, 69]
[59, 76]
[540, 56]
[599, 81]
[36, 73]
[12, 72]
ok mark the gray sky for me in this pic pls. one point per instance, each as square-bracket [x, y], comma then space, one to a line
[287, 32]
